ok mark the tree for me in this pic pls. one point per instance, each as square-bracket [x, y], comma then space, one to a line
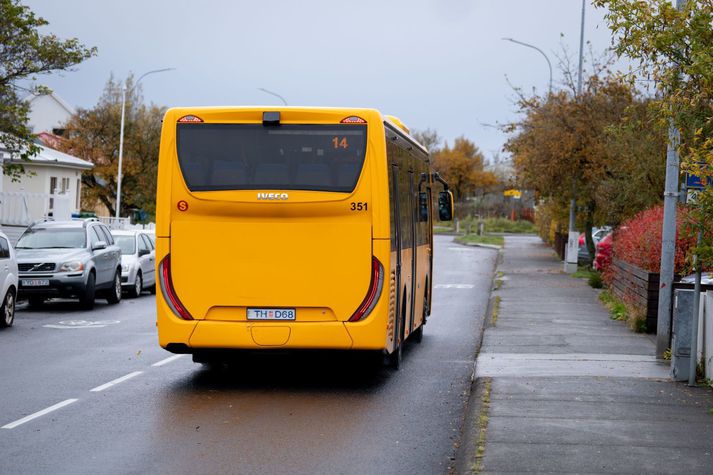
[24, 53]
[429, 138]
[585, 147]
[674, 49]
[93, 134]
[463, 167]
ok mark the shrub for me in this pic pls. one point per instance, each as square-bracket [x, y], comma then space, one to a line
[595, 280]
[638, 240]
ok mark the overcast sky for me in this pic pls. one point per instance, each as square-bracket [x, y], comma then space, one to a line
[433, 63]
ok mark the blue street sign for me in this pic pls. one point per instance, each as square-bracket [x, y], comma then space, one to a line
[694, 182]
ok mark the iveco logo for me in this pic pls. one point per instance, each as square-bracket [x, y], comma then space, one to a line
[272, 196]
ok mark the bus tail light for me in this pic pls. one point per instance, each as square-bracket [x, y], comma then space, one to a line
[374, 292]
[164, 274]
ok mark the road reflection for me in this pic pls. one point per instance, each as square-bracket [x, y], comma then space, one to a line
[299, 412]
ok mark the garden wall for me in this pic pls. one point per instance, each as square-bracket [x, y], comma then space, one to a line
[637, 288]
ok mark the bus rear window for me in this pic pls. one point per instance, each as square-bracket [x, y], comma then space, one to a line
[286, 157]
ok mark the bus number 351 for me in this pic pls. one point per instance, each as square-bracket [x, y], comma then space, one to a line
[358, 206]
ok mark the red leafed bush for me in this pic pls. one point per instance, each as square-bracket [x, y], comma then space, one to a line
[638, 241]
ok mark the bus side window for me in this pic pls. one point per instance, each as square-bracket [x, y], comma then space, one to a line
[423, 206]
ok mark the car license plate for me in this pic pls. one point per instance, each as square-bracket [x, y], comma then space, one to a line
[271, 314]
[35, 282]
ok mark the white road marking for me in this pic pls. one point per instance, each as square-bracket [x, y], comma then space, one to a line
[167, 360]
[72, 324]
[454, 286]
[116, 381]
[41, 413]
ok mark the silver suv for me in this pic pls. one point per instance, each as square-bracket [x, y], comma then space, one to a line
[68, 259]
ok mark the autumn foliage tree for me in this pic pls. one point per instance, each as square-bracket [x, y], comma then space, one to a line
[673, 48]
[463, 167]
[601, 148]
[93, 134]
[25, 54]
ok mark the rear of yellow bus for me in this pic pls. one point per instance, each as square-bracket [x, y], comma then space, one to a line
[272, 230]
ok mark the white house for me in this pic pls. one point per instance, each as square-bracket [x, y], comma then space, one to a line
[52, 186]
[48, 113]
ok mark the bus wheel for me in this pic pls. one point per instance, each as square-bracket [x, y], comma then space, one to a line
[209, 361]
[394, 359]
[417, 334]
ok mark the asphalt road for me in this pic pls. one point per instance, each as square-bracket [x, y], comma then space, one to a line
[91, 392]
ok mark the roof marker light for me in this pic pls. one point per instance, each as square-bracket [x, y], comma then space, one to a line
[190, 118]
[352, 119]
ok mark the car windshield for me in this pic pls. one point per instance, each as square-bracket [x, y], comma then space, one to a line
[126, 243]
[52, 238]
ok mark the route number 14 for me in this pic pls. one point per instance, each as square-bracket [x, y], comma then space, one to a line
[340, 142]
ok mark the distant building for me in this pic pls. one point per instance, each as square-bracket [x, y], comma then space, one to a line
[48, 113]
[52, 186]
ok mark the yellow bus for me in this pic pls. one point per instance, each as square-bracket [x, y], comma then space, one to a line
[292, 228]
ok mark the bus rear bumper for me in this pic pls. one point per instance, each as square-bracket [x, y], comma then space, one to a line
[229, 335]
[204, 334]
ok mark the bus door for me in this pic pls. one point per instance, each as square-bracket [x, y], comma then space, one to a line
[412, 202]
[396, 240]
[406, 230]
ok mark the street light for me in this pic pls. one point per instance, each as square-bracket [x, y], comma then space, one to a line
[121, 133]
[549, 64]
[273, 94]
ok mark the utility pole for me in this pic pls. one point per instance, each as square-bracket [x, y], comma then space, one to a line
[570, 261]
[668, 235]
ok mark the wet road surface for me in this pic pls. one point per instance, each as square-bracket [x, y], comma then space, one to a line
[91, 392]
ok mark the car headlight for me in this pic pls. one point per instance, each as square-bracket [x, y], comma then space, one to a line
[124, 267]
[72, 266]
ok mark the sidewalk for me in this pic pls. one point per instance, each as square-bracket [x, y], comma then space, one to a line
[563, 388]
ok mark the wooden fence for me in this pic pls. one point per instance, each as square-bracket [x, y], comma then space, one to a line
[640, 290]
[637, 288]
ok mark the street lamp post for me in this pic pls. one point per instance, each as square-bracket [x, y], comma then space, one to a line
[570, 260]
[549, 64]
[273, 94]
[121, 134]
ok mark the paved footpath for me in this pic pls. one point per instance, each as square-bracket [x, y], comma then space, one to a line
[568, 390]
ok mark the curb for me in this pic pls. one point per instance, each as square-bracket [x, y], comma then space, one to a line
[467, 442]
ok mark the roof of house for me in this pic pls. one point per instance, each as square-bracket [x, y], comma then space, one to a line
[65, 105]
[49, 156]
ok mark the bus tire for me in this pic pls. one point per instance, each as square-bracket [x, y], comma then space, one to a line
[417, 334]
[209, 361]
[394, 359]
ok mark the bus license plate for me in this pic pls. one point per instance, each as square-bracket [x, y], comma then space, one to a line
[35, 282]
[271, 314]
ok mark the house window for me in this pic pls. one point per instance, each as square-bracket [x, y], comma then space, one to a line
[78, 198]
[65, 185]
[53, 190]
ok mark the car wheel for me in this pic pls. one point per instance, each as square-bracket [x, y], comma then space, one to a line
[135, 291]
[113, 295]
[7, 313]
[86, 300]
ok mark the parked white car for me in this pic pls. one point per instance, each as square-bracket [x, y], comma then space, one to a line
[8, 281]
[138, 261]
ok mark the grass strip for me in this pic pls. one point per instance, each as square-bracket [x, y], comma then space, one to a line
[482, 423]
